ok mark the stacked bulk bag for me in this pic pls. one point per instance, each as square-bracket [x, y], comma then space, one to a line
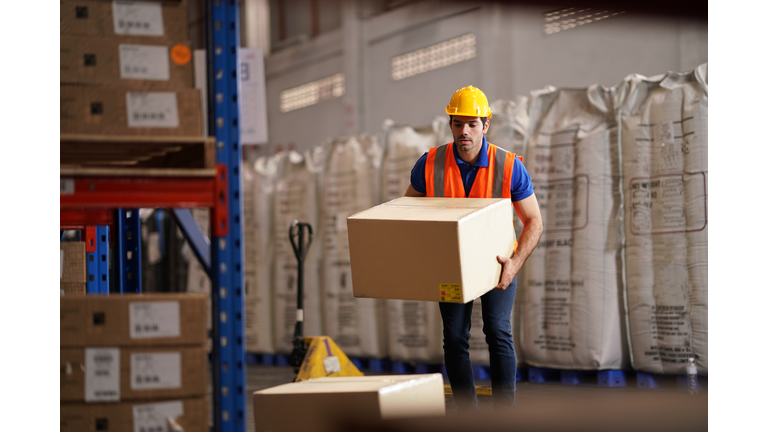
[348, 172]
[571, 290]
[415, 329]
[295, 198]
[258, 246]
[663, 123]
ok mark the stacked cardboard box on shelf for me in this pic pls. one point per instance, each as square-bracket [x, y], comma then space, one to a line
[133, 361]
[126, 69]
[72, 268]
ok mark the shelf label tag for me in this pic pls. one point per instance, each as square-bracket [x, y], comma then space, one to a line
[154, 319]
[144, 62]
[102, 374]
[154, 417]
[156, 109]
[155, 371]
[67, 186]
[138, 18]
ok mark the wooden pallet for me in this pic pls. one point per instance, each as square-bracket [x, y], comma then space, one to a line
[126, 155]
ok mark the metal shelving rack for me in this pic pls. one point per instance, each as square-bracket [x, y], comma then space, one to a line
[104, 202]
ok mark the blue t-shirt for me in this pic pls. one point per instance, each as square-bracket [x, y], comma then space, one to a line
[521, 186]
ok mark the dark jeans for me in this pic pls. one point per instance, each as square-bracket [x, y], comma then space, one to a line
[457, 319]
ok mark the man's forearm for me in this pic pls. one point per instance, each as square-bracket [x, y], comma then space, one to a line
[527, 242]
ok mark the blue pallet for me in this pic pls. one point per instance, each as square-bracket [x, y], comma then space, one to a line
[604, 378]
[281, 360]
[481, 372]
[653, 381]
[521, 374]
[260, 359]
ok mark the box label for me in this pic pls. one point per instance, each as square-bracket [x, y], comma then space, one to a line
[154, 417]
[154, 319]
[156, 109]
[450, 293]
[155, 371]
[138, 18]
[102, 374]
[67, 186]
[144, 62]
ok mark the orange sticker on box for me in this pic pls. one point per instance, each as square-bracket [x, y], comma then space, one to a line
[181, 54]
[450, 293]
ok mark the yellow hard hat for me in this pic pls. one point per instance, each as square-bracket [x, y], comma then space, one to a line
[469, 101]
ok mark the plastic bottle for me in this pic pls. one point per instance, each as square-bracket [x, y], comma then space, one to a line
[693, 379]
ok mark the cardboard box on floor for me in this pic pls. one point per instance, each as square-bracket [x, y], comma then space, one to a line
[430, 249]
[125, 61]
[109, 374]
[317, 405]
[96, 110]
[190, 414]
[152, 20]
[133, 320]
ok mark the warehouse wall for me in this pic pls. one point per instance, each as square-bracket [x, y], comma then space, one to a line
[514, 56]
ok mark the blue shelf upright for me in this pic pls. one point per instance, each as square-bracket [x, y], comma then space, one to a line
[129, 250]
[227, 280]
[97, 259]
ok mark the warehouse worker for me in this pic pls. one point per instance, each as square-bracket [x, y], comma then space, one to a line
[470, 167]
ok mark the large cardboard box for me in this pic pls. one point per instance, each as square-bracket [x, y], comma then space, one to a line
[133, 320]
[99, 110]
[131, 61]
[153, 20]
[72, 262]
[321, 403]
[110, 374]
[190, 414]
[430, 249]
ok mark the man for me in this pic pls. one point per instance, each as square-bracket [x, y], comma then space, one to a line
[472, 167]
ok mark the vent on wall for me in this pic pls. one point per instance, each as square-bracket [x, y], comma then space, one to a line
[433, 57]
[312, 93]
[566, 19]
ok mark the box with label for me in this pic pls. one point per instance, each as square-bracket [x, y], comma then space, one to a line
[133, 320]
[150, 19]
[72, 262]
[140, 64]
[430, 249]
[190, 414]
[325, 401]
[111, 374]
[99, 110]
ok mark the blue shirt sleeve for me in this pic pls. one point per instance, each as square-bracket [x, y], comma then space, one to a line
[418, 174]
[522, 186]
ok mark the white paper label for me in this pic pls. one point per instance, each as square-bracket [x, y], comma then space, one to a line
[155, 371]
[153, 247]
[253, 96]
[300, 315]
[67, 186]
[144, 62]
[156, 109]
[102, 374]
[61, 264]
[154, 319]
[154, 417]
[331, 364]
[138, 18]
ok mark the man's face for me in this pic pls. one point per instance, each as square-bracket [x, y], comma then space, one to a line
[468, 133]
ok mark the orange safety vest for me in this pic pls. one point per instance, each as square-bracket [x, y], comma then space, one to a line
[444, 178]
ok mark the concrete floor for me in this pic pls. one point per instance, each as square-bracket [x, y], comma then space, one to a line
[530, 397]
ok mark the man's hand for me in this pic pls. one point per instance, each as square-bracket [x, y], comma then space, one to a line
[508, 272]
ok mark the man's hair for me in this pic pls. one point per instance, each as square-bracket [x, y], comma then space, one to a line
[482, 119]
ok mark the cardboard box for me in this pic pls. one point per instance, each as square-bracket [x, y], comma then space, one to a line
[70, 288]
[134, 62]
[323, 402]
[133, 320]
[190, 414]
[121, 111]
[156, 20]
[430, 249]
[110, 374]
[72, 262]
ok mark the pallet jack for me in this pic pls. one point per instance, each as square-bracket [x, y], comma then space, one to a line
[312, 356]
